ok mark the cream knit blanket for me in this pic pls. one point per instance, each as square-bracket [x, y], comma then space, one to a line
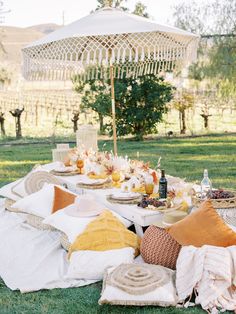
[210, 271]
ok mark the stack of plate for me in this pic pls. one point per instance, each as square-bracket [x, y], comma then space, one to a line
[65, 172]
[94, 183]
[124, 197]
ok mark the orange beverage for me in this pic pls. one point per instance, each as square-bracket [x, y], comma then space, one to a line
[149, 187]
[115, 176]
[80, 164]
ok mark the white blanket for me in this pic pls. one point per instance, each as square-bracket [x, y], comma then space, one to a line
[31, 259]
[210, 271]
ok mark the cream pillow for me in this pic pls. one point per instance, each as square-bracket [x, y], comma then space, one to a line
[140, 285]
[92, 264]
[39, 203]
[74, 226]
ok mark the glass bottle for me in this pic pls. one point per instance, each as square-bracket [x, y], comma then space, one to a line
[163, 185]
[206, 186]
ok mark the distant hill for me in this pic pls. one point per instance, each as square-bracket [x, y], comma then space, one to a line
[13, 39]
[44, 28]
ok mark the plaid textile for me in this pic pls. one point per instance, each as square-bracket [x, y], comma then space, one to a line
[158, 247]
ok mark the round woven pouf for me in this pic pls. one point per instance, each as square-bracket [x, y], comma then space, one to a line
[138, 278]
[35, 181]
[159, 248]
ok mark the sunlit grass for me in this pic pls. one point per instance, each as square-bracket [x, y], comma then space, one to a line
[185, 158]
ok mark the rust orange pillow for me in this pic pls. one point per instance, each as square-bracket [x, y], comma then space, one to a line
[203, 227]
[62, 199]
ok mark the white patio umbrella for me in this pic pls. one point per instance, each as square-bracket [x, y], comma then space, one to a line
[109, 43]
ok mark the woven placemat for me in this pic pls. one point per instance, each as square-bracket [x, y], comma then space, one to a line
[35, 181]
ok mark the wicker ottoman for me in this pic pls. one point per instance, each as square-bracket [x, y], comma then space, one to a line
[159, 248]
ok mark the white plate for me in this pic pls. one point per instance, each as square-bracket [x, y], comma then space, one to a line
[89, 181]
[125, 195]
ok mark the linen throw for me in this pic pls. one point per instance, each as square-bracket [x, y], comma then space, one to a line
[210, 272]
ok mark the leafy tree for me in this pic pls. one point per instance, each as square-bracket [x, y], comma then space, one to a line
[111, 3]
[182, 102]
[5, 76]
[95, 95]
[217, 53]
[140, 9]
[140, 103]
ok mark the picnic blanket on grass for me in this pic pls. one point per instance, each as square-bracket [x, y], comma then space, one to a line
[31, 259]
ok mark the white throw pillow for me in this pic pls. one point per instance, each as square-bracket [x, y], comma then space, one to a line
[163, 294]
[6, 191]
[74, 226]
[39, 203]
[92, 264]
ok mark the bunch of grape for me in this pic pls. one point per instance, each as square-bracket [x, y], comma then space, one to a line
[220, 194]
[150, 201]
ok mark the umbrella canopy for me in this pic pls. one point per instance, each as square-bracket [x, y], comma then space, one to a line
[109, 43]
[133, 45]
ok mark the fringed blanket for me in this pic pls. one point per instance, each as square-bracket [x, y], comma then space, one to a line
[210, 272]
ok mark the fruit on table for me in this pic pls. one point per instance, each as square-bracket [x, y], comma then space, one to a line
[220, 194]
[150, 201]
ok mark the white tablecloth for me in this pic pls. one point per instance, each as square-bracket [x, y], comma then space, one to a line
[31, 259]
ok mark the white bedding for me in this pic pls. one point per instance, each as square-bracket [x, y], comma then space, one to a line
[31, 259]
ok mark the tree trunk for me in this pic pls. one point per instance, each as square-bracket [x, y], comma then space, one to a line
[75, 120]
[180, 121]
[206, 120]
[101, 123]
[2, 120]
[17, 115]
[183, 130]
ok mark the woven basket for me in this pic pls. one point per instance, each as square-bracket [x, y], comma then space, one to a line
[37, 222]
[65, 242]
[216, 203]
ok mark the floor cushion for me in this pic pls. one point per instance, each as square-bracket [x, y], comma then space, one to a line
[140, 285]
[159, 248]
[203, 227]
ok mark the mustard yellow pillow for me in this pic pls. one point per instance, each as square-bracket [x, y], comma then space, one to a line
[203, 227]
[104, 233]
[62, 199]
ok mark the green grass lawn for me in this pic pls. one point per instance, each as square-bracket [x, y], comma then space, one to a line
[180, 157]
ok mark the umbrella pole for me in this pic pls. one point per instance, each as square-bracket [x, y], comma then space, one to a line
[113, 109]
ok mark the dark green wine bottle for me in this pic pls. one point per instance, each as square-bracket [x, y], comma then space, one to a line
[163, 185]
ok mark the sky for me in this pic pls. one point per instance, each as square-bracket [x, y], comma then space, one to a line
[32, 12]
